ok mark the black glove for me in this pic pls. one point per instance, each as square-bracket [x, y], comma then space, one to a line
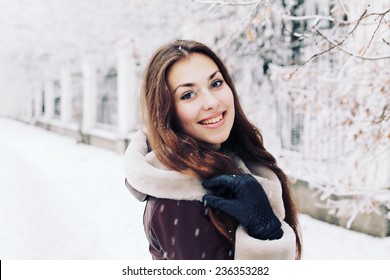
[242, 197]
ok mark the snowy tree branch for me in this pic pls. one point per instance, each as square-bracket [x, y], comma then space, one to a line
[226, 3]
[338, 45]
[375, 31]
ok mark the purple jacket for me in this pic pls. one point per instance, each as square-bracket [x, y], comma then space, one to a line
[182, 230]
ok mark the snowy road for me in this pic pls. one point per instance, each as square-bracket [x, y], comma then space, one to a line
[63, 200]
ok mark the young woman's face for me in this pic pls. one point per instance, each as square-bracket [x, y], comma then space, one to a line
[203, 101]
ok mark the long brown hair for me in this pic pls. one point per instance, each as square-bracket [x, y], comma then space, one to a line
[181, 152]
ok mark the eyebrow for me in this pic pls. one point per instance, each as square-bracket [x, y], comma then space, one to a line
[191, 84]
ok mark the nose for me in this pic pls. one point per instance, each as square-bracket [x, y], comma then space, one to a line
[209, 100]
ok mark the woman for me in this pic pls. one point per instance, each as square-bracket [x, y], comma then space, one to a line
[212, 189]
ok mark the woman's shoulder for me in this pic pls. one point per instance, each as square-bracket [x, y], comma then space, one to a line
[148, 176]
[261, 170]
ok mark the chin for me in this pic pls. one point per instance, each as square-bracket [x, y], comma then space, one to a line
[217, 141]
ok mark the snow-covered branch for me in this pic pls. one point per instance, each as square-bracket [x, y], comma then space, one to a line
[338, 45]
[227, 3]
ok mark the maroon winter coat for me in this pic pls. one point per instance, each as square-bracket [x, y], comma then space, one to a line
[180, 229]
[175, 221]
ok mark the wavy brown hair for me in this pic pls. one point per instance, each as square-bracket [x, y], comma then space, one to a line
[182, 153]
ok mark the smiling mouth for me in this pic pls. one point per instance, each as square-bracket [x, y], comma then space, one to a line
[214, 120]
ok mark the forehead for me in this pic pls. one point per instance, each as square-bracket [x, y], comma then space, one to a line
[192, 69]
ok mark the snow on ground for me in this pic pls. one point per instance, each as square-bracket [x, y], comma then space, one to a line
[63, 200]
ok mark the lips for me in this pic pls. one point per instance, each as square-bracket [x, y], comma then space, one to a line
[213, 119]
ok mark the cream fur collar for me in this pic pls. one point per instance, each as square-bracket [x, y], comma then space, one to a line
[148, 176]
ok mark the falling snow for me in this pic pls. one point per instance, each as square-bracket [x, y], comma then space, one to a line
[197, 232]
[162, 208]
[63, 200]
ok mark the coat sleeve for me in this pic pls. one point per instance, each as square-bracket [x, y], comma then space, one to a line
[182, 230]
[249, 248]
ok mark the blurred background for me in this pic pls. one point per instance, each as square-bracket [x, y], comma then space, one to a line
[312, 75]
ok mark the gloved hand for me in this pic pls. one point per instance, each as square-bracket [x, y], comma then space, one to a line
[242, 197]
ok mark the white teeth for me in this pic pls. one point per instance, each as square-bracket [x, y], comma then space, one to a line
[213, 120]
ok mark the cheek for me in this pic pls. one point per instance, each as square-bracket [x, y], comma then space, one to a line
[228, 99]
[185, 115]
